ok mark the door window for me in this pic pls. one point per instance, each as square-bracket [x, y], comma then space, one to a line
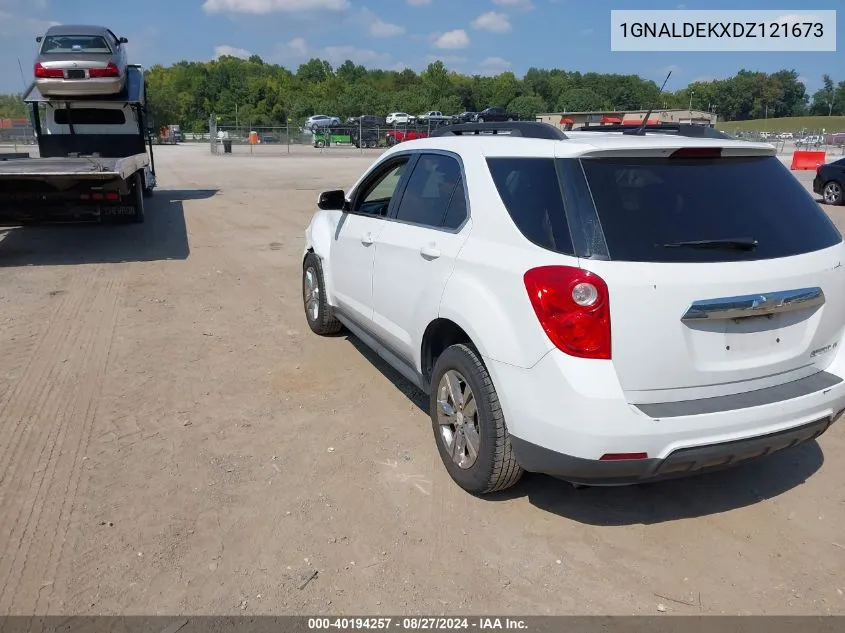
[377, 193]
[430, 190]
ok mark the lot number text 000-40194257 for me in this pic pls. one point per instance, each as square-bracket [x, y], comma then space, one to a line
[684, 30]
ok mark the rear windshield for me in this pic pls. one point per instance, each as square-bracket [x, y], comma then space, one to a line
[62, 44]
[646, 204]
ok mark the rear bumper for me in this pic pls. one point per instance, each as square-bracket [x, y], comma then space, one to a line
[80, 87]
[679, 463]
[564, 414]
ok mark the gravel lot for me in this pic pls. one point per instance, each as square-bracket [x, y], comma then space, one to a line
[174, 440]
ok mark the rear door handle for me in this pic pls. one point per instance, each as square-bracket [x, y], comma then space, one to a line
[430, 251]
[367, 238]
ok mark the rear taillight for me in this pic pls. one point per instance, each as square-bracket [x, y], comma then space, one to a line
[47, 73]
[109, 71]
[573, 306]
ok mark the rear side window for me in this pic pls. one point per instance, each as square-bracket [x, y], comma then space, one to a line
[644, 205]
[531, 193]
[430, 190]
[90, 116]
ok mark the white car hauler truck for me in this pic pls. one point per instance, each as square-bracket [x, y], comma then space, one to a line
[95, 158]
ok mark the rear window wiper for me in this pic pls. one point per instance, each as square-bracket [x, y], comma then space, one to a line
[738, 243]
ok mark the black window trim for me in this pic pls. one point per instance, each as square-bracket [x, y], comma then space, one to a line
[376, 172]
[391, 214]
[579, 214]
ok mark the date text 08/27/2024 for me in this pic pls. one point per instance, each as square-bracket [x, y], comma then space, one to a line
[415, 623]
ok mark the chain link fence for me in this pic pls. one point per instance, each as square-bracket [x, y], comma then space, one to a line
[18, 138]
[787, 142]
[358, 134]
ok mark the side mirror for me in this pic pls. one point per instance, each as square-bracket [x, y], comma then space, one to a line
[123, 40]
[334, 200]
[38, 39]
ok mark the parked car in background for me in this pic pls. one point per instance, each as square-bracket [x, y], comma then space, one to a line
[496, 114]
[320, 120]
[829, 182]
[813, 140]
[76, 60]
[368, 120]
[392, 137]
[433, 116]
[398, 118]
[465, 117]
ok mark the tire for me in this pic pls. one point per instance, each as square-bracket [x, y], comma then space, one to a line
[494, 468]
[148, 191]
[320, 144]
[318, 312]
[137, 198]
[510, 118]
[480, 119]
[832, 193]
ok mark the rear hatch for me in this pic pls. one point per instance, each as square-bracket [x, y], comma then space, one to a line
[724, 274]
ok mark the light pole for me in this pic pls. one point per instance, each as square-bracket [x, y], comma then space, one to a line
[691, 93]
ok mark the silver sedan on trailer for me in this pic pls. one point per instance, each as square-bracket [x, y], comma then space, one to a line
[76, 60]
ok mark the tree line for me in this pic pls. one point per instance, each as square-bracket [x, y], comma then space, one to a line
[253, 92]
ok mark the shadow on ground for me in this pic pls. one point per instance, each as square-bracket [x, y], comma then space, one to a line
[658, 502]
[162, 236]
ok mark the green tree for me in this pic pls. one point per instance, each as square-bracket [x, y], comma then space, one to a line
[528, 106]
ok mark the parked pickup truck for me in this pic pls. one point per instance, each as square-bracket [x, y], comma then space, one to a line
[397, 136]
[93, 160]
[433, 116]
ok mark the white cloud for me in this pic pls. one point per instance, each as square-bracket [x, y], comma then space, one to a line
[380, 28]
[15, 25]
[419, 3]
[802, 79]
[494, 66]
[452, 39]
[673, 68]
[225, 49]
[515, 4]
[297, 47]
[297, 50]
[446, 59]
[271, 6]
[493, 22]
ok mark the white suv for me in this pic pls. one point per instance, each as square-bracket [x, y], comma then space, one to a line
[604, 307]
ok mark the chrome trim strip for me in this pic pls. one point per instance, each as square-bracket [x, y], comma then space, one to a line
[745, 306]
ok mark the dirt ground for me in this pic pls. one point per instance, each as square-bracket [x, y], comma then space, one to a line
[174, 440]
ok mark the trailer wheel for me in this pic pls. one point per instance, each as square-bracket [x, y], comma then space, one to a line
[320, 144]
[138, 198]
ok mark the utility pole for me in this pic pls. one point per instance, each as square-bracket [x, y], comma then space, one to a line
[237, 127]
[691, 93]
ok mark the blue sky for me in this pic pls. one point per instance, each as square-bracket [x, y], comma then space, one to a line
[471, 36]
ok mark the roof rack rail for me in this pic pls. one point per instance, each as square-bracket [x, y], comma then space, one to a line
[522, 129]
[681, 129]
